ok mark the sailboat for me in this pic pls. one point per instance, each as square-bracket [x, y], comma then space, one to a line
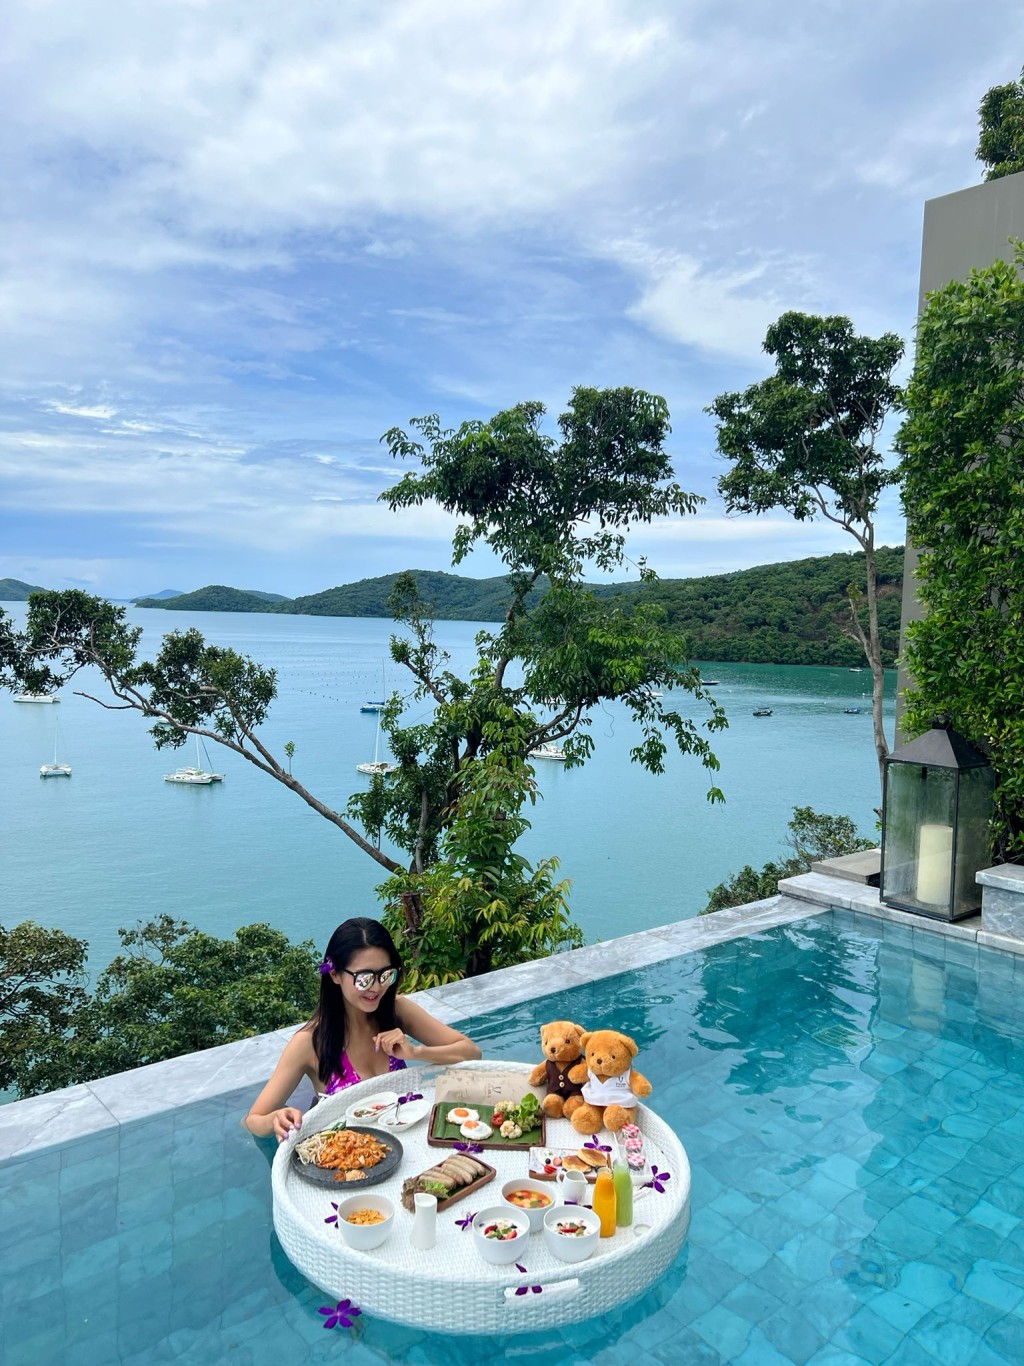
[197, 776]
[55, 770]
[377, 766]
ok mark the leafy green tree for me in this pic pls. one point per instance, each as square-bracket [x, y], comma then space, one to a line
[547, 506]
[807, 440]
[174, 990]
[813, 836]
[41, 972]
[962, 445]
[1001, 140]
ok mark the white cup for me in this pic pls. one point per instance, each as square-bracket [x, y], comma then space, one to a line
[573, 1187]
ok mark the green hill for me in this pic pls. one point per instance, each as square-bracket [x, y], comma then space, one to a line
[13, 590]
[216, 597]
[792, 613]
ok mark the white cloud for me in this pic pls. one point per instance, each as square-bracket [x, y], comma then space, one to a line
[100, 411]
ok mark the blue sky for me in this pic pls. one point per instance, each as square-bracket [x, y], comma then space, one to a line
[240, 240]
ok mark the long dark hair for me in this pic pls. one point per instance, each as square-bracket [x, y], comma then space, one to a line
[329, 1018]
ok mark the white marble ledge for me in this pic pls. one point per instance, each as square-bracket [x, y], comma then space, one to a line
[1008, 876]
[59, 1117]
[837, 892]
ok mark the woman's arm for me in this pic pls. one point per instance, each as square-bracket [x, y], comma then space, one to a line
[437, 1042]
[269, 1114]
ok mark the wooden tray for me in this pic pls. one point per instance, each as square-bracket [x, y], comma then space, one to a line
[539, 1173]
[460, 1194]
[441, 1134]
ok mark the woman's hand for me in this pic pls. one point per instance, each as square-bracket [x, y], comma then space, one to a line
[285, 1121]
[396, 1044]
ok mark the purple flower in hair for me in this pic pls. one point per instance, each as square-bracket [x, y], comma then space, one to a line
[325, 967]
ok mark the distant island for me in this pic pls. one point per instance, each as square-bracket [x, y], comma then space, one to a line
[13, 590]
[792, 613]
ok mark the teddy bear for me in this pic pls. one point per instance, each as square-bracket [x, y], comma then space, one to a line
[609, 1084]
[560, 1041]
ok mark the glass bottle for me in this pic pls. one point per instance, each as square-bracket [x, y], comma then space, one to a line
[623, 1194]
[604, 1202]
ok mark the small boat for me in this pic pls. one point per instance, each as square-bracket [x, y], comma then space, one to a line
[376, 767]
[56, 769]
[856, 671]
[372, 706]
[762, 711]
[710, 682]
[49, 698]
[548, 752]
[852, 711]
[195, 776]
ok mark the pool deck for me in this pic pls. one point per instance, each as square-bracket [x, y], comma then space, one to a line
[61, 1118]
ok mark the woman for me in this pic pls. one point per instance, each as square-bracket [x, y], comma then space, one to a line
[361, 1028]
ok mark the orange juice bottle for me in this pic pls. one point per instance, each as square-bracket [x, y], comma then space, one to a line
[604, 1201]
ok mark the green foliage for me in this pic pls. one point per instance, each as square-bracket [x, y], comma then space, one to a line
[963, 491]
[480, 904]
[806, 440]
[813, 836]
[1001, 140]
[174, 990]
[41, 972]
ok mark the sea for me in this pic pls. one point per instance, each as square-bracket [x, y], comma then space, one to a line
[115, 844]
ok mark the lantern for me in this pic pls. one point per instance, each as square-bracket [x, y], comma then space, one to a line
[936, 812]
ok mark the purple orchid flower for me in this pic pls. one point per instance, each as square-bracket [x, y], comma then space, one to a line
[413, 1095]
[343, 1315]
[658, 1179]
[523, 1289]
[468, 1147]
[599, 1147]
[465, 1223]
[332, 1218]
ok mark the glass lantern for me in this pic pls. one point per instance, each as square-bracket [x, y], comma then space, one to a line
[936, 813]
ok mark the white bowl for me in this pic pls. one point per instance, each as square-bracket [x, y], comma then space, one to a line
[365, 1237]
[501, 1252]
[545, 1188]
[368, 1111]
[566, 1247]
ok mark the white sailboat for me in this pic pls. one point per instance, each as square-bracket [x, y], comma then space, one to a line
[377, 766]
[46, 698]
[548, 752]
[55, 770]
[197, 776]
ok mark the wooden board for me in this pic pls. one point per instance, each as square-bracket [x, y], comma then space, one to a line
[538, 1170]
[441, 1134]
[463, 1191]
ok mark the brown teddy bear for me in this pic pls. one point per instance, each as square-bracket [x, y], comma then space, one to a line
[563, 1049]
[609, 1084]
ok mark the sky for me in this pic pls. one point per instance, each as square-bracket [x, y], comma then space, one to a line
[241, 240]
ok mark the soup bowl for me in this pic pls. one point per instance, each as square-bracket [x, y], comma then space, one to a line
[534, 1200]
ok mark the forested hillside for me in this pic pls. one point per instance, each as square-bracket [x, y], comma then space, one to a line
[14, 590]
[793, 613]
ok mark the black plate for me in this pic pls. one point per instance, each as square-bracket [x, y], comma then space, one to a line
[325, 1176]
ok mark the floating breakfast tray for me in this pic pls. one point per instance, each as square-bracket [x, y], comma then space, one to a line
[450, 1288]
[441, 1134]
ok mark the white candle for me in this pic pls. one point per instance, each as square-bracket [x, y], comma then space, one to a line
[934, 864]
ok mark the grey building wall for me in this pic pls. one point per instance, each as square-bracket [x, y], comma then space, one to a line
[963, 231]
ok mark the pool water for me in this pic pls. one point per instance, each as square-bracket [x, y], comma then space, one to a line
[853, 1107]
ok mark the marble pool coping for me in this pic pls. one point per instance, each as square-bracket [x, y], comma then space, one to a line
[62, 1118]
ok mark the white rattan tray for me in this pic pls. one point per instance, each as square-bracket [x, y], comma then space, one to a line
[450, 1288]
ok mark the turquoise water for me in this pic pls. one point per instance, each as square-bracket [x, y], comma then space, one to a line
[853, 1108]
[115, 842]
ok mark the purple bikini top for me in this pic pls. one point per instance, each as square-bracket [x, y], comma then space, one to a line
[348, 1076]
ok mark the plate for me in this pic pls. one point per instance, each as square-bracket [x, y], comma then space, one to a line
[327, 1176]
[405, 1116]
[445, 1135]
[366, 1111]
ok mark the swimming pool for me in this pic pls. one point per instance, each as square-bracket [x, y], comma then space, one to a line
[852, 1103]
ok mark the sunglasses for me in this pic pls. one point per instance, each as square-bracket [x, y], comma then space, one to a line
[362, 981]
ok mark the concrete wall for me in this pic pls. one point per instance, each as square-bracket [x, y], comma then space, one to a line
[963, 231]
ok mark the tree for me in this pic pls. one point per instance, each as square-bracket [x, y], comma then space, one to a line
[1001, 140]
[813, 836]
[806, 440]
[41, 972]
[962, 448]
[174, 990]
[547, 507]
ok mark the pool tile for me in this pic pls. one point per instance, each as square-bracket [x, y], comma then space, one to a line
[728, 1333]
